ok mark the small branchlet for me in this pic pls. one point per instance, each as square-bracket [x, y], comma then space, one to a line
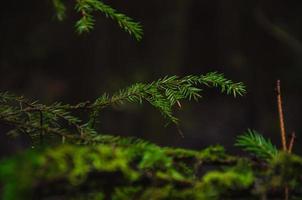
[87, 10]
[60, 9]
[256, 144]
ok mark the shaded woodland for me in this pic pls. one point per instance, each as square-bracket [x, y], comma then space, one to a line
[251, 42]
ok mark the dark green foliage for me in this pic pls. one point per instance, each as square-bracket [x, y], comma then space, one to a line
[60, 9]
[286, 169]
[44, 123]
[74, 160]
[257, 145]
[164, 93]
[87, 7]
[87, 10]
[125, 193]
[132, 160]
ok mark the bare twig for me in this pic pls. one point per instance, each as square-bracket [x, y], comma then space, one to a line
[180, 132]
[291, 143]
[286, 193]
[41, 126]
[281, 118]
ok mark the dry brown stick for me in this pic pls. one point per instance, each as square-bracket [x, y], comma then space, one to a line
[290, 147]
[286, 193]
[289, 150]
[281, 118]
[291, 143]
[282, 130]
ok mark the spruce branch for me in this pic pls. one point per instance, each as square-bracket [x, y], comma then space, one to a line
[43, 121]
[256, 144]
[164, 93]
[60, 9]
[87, 7]
[85, 24]
[39, 121]
[215, 79]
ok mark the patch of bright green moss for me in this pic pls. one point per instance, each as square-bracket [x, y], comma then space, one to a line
[142, 171]
[215, 183]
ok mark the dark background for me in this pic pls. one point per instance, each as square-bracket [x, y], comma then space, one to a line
[256, 42]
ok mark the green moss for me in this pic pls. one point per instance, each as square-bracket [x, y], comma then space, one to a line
[73, 164]
[215, 154]
[126, 193]
[17, 175]
[143, 171]
[211, 154]
[154, 158]
[215, 183]
[285, 169]
[90, 196]
[181, 153]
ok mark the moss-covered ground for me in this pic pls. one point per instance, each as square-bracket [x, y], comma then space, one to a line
[144, 171]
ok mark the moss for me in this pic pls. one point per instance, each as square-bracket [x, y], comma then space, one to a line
[179, 153]
[90, 196]
[285, 169]
[16, 175]
[142, 172]
[155, 158]
[215, 154]
[209, 155]
[126, 193]
[73, 164]
[215, 183]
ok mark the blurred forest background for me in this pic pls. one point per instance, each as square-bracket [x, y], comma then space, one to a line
[256, 42]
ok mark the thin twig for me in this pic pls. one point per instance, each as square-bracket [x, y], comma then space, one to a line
[283, 133]
[290, 147]
[286, 193]
[41, 129]
[291, 143]
[180, 132]
[281, 118]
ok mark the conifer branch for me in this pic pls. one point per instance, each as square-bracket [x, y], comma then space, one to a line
[164, 93]
[88, 8]
[86, 23]
[42, 121]
[256, 144]
[60, 9]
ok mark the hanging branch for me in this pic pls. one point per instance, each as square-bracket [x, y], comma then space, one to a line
[42, 121]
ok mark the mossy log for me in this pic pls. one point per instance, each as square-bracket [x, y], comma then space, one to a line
[146, 171]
